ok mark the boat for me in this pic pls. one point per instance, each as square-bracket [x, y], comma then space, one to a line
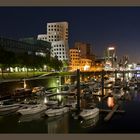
[89, 122]
[30, 117]
[39, 90]
[118, 93]
[71, 104]
[52, 102]
[56, 111]
[89, 113]
[32, 109]
[22, 91]
[6, 109]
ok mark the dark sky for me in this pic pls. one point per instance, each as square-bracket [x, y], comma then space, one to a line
[99, 26]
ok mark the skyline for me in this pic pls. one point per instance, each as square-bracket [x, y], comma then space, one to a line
[99, 26]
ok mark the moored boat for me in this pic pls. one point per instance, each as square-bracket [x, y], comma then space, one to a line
[38, 90]
[32, 109]
[56, 111]
[89, 113]
[8, 109]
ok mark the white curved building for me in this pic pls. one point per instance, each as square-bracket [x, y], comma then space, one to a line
[57, 34]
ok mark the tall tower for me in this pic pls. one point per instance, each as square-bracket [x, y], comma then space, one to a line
[57, 34]
[110, 56]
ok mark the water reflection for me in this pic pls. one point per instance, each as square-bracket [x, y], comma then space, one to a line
[90, 122]
[29, 118]
[110, 102]
[136, 96]
[59, 124]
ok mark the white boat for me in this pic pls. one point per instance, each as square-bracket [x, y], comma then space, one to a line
[56, 111]
[32, 109]
[51, 103]
[89, 113]
[8, 109]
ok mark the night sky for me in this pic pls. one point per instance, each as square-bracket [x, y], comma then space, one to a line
[99, 26]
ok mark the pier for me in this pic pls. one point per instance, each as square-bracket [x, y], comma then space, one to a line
[110, 114]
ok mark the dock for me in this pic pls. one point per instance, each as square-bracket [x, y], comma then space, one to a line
[108, 110]
[110, 114]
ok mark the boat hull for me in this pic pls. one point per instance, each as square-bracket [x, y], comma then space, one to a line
[56, 112]
[90, 113]
[8, 109]
[29, 111]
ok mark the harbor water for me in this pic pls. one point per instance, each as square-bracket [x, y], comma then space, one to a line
[127, 122]
[121, 122]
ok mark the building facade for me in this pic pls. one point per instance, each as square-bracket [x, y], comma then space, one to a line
[84, 49]
[57, 35]
[77, 62]
[110, 58]
[30, 45]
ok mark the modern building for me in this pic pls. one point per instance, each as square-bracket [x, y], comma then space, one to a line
[30, 45]
[57, 35]
[110, 58]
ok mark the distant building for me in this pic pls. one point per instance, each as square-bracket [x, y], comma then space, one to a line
[99, 64]
[84, 49]
[57, 35]
[110, 58]
[76, 62]
[74, 59]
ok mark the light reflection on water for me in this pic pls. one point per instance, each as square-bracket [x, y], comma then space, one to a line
[58, 124]
[110, 102]
[90, 122]
[29, 118]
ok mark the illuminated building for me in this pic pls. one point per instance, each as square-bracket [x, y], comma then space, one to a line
[110, 58]
[85, 64]
[57, 35]
[98, 64]
[74, 59]
[76, 62]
